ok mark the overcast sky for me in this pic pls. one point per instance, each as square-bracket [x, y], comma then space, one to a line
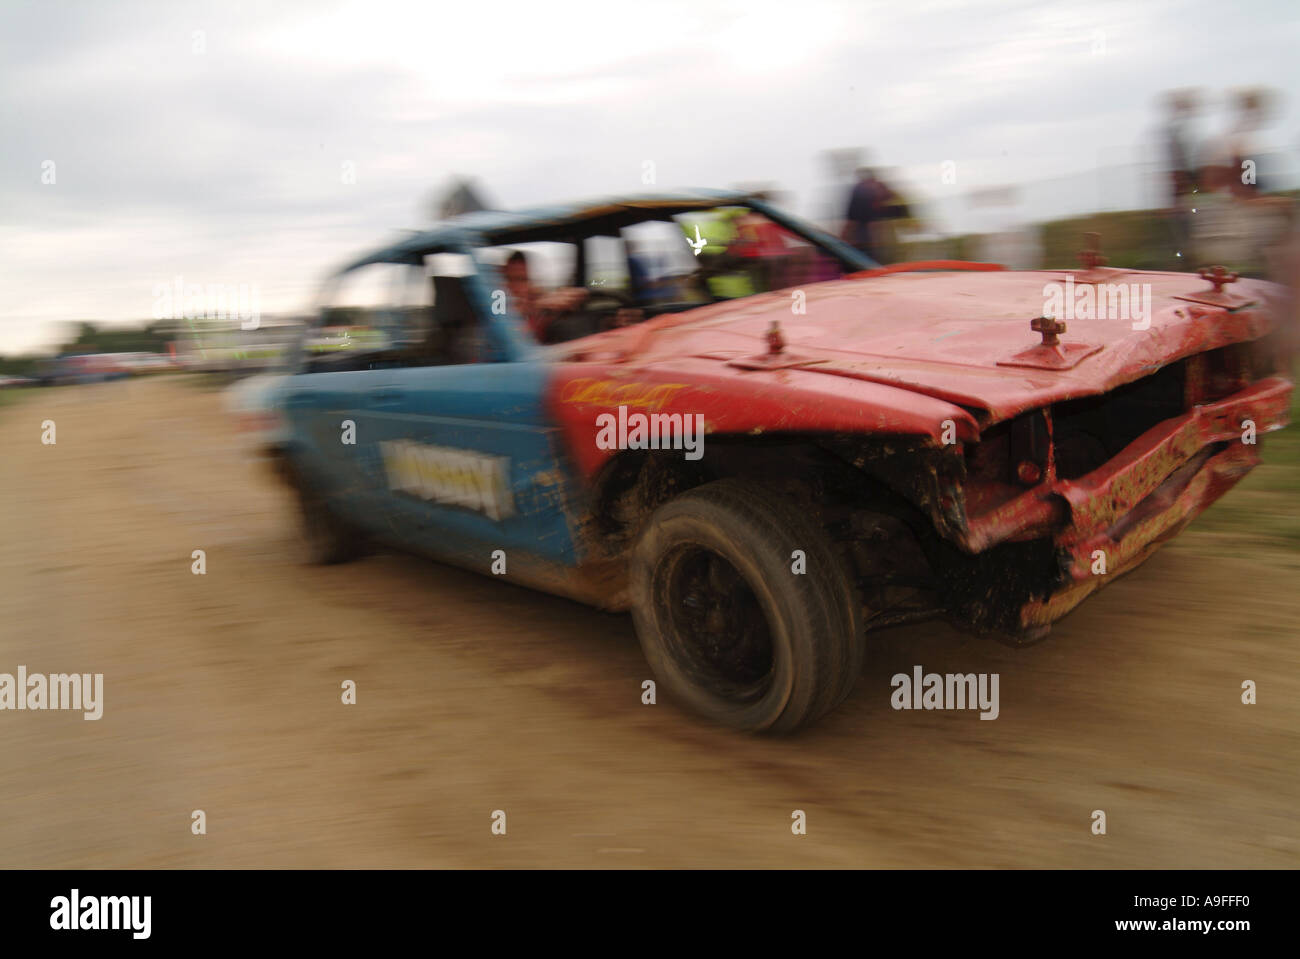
[214, 140]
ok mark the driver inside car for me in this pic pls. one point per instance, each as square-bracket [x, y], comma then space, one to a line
[541, 309]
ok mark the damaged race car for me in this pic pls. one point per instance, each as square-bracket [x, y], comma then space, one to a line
[762, 444]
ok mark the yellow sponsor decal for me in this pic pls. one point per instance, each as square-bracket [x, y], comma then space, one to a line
[456, 477]
[646, 396]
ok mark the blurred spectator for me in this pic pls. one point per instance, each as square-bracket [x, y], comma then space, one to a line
[1226, 157]
[1233, 224]
[1284, 268]
[875, 216]
[866, 199]
[894, 220]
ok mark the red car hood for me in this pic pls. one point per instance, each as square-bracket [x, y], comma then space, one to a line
[948, 335]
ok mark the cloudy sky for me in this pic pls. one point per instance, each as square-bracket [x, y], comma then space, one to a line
[263, 143]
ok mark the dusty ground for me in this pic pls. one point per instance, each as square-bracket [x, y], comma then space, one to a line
[222, 693]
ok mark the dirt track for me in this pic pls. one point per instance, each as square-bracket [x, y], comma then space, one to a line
[222, 693]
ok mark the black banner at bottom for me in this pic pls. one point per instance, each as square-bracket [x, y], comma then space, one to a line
[91, 908]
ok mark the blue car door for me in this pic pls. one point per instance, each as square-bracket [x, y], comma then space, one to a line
[470, 462]
[329, 418]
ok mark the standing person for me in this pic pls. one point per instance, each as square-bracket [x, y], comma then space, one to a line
[1235, 225]
[1231, 152]
[893, 218]
[863, 211]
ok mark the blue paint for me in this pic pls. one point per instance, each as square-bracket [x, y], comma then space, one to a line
[493, 408]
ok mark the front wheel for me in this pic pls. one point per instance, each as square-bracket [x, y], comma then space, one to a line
[743, 609]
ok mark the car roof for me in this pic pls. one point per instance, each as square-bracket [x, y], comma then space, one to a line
[539, 224]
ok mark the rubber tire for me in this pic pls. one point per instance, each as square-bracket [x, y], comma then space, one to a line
[813, 618]
[325, 538]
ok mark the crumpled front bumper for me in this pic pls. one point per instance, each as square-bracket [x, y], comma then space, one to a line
[1122, 512]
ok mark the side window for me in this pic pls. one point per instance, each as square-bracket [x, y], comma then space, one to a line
[551, 263]
[528, 273]
[368, 312]
[606, 263]
[744, 253]
[659, 264]
[455, 332]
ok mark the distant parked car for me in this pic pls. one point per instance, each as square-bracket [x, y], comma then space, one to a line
[76, 368]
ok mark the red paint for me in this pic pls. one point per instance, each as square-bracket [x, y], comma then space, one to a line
[938, 334]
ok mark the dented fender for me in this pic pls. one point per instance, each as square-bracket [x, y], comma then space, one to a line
[744, 402]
